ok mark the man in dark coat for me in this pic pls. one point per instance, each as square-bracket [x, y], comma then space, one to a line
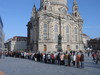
[69, 59]
[82, 60]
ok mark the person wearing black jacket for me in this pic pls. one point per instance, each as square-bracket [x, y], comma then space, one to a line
[69, 59]
[82, 60]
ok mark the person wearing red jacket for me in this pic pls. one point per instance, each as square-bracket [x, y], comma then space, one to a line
[78, 60]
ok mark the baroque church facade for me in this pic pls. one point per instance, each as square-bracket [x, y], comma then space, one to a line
[53, 19]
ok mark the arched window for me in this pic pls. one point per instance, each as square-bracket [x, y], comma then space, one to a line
[45, 27]
[76, 33]
[67, 33]
[56, 32]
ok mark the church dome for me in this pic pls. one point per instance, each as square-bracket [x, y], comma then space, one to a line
[57, 6]
[58, 2]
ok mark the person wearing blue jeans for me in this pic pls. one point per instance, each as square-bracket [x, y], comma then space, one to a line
[82, 60]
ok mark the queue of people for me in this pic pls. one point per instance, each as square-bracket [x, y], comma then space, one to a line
[71, 58]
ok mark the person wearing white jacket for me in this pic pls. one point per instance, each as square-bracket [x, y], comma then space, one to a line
[74, 58]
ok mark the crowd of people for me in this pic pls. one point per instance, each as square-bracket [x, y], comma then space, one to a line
[96, 56]
[71, 58]
[67, 58]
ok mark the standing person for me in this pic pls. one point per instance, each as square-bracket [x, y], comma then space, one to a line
[62, 59]
[35, 57]
[66, 59]
[82, 60]
[52, 58]
[93, 56]
[24, 54]
[41, 57]
[88, 54]
[38, 57]
[74, 58]
[69, 59]
[55, 58]
[49, 59]
[78, 60]
[45, 58]
[32, 57]
[97, 57]
[58, 58]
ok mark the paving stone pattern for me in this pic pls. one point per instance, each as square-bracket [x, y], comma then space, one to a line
[17, 66]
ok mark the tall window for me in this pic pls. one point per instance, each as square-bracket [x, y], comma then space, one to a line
[56, 32]
[45, 31]
[67, 33]
[45, 28]
[76, 34]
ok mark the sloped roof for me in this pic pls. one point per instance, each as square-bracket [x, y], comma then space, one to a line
[85, 35]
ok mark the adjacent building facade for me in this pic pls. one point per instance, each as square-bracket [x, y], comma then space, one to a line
[53, 19]
[86, 38]
[94, 44]
[17, 43]
[1, 35]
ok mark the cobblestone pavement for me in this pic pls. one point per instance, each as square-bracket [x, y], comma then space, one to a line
[16, 66]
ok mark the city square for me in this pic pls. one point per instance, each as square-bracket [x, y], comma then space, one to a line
[17, 66]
